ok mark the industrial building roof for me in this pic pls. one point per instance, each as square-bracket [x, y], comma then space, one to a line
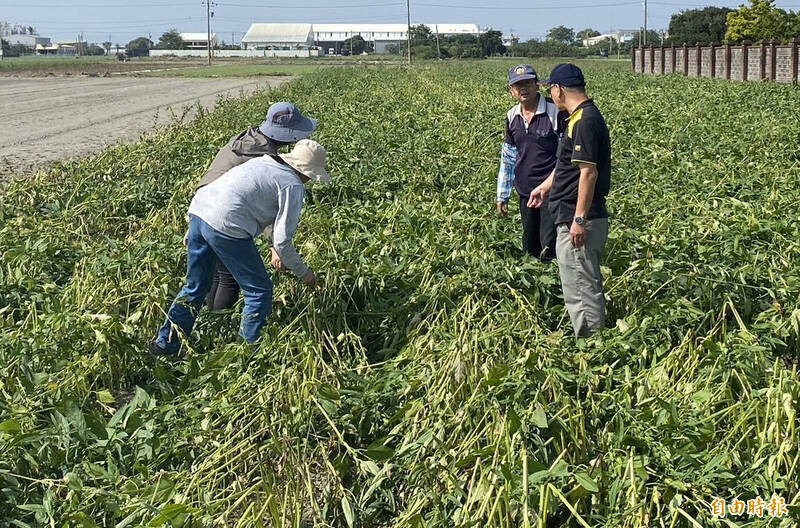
[299, 33]
[194, 37]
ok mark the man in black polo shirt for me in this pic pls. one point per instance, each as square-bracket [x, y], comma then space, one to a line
[528, 157]
[577, 199]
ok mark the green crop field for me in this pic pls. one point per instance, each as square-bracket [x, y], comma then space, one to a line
[432, 380]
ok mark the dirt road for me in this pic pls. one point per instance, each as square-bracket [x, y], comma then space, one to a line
[51, 119]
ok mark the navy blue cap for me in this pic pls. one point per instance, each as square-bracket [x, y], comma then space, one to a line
[567, 75]
[523, 72]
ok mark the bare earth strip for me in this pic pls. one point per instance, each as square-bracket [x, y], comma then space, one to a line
[52, 119]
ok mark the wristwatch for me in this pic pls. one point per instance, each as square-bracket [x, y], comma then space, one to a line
[579, 220]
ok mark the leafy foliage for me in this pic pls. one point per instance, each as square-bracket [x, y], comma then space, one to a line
[141, 43]
[432, 381]
[561, 34]
[706, 26]
[171, 40]
[759, 21]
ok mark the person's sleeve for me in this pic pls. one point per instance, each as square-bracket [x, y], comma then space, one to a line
[585, 143]
[509, 138]
[505, 176]
[268, 234]
[290, 203]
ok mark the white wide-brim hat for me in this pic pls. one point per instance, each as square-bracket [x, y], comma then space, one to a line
[308, 158]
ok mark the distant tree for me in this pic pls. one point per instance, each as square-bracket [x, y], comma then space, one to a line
[561, 34]
[171, 40]
[359, 45]
[393, 49]
[761, 20]
[95, 50]
[586, 33]
[107, 46]
[15, 50]
[420, 33]
[652, 38]
[491, 42]
[705, 25]
[139, 44]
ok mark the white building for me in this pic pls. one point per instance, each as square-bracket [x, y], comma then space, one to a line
[510, 40]
[278, 36]
[199, 40]
[332, 36]
[622, 36]
[30, 41]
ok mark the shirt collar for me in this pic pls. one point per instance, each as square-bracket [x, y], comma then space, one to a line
[540, 109]
[588, 102]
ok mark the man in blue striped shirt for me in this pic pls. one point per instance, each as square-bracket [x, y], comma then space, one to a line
[528, 158]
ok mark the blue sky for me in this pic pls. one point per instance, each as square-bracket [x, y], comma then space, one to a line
[122, 21]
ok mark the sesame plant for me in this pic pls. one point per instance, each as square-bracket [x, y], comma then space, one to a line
[432, 380]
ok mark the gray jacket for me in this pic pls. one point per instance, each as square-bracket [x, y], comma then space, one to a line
[261, 195]
[243, 147]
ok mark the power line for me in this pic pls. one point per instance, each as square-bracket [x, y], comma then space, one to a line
[537, 8]
[352, 6]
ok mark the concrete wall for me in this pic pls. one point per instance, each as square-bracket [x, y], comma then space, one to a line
[236, 53]
[759, 60]
[719, 63]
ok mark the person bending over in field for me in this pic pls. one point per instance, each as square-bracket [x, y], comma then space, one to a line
[262, 195]
[285, 124]
[528, 157]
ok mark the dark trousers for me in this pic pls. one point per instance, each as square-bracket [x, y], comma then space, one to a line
[224, 289]
[538, 231]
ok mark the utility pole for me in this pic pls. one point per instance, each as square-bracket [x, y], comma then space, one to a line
[644, 35]
[208, 5]
[408, 30]
[438, 51]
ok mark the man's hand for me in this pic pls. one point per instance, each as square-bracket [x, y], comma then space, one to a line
[310, 279]
[538, 196]
[502, 209]
[277, 263]
[577, 234]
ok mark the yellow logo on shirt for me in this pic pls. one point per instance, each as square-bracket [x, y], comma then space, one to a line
[577, 148]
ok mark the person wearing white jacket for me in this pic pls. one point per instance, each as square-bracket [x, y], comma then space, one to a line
[263, 195]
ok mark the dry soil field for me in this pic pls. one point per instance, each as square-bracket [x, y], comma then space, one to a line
[50, 119]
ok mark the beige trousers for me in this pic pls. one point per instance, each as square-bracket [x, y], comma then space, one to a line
[581, 279]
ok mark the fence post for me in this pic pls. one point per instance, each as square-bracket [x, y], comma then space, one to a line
[699, 52]
[745, 65]
[794, 61]
[728, 61]
[773, 60]
[633, 58]
[686, 60]
[762, 72]
[713, 67]
[674, 58]
[663, 61]
[652, 59]
[641, 59]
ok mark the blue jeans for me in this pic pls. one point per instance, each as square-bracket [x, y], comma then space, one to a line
[242, 258]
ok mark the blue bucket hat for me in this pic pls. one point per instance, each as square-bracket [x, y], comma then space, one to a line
[285, 123]
[523, 72]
